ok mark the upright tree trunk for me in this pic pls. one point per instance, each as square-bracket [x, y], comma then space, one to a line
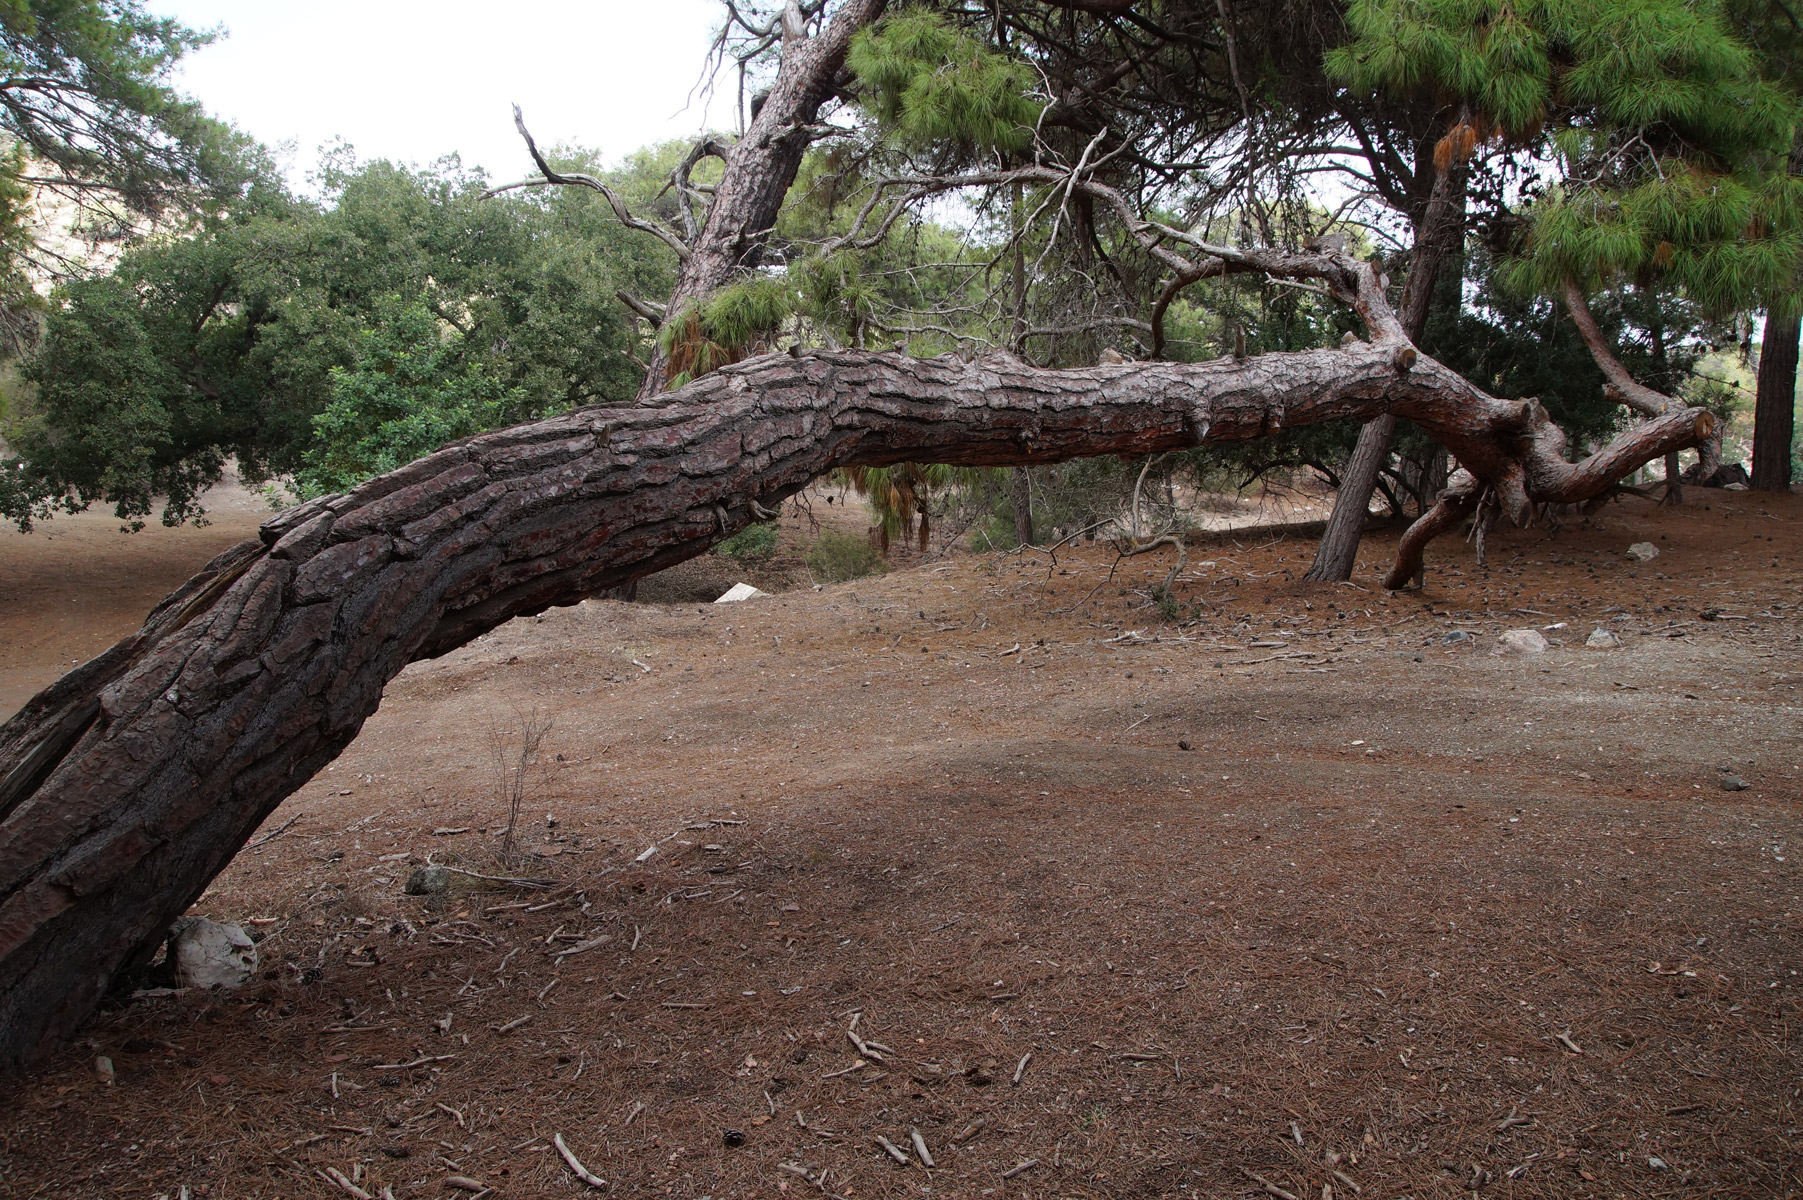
[1439, 235]
[1674, 474]
[1020, 485]
[1775, 409]
[1020, 490]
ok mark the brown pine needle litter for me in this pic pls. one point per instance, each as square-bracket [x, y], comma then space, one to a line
[1385, 925]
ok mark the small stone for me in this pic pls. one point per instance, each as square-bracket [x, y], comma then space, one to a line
[428, 881]
[1655, 1162]
[1602, 639]
[733, 1138]
[1731, 782]
[1521, 641]
[1643, 552]
[210, 954]
[1183, 744]
[1457, 637]
[741, 591]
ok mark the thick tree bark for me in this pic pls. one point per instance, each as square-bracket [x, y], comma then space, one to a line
[1439, 236]
[1774, 411]
[128, 785]
[761, 166]
[1339, 546]
[1674, 480]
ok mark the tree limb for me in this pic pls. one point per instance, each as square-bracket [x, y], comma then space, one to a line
[1623, 386]
[580, 179]
[652, 312]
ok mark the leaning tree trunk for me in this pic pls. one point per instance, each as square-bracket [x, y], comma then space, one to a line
[125, 787]
[1339, 546]
[1440, 235]
[1775, 410]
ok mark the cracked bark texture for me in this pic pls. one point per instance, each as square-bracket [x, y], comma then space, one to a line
[1774, 414]
[127, 786]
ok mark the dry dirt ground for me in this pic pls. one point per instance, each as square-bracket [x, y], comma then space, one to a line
[1281, 894]
[79, 583]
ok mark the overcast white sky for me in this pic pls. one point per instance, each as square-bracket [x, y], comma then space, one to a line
[416, 79]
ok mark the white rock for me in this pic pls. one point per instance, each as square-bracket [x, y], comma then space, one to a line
[1643, 552]
[740, 591]
[210, 954]
[1602, 639]
[1521, 641]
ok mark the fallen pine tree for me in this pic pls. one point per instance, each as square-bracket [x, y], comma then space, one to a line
[129, 784]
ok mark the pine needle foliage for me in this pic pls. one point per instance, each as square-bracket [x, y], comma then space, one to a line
[1670, 69]
[1669, 142]
[931, 85]
[900, 493]
[1729, 241]
[735, 321]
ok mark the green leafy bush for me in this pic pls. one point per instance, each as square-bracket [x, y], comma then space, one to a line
[752, 544]
[837, 557]
[409, 393]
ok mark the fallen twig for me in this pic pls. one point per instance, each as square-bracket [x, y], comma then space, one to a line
[510, 880]
[270, 837]
[584, 947]
[920, 1147]
[576, 1168]
[1028, 1164]
[971, 1130]
[418, 1062]
[892, 1150]
[1510, 1121]
[339, 1180]
[1270, 1189]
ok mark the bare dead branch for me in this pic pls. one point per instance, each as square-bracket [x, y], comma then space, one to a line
[547, 175]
